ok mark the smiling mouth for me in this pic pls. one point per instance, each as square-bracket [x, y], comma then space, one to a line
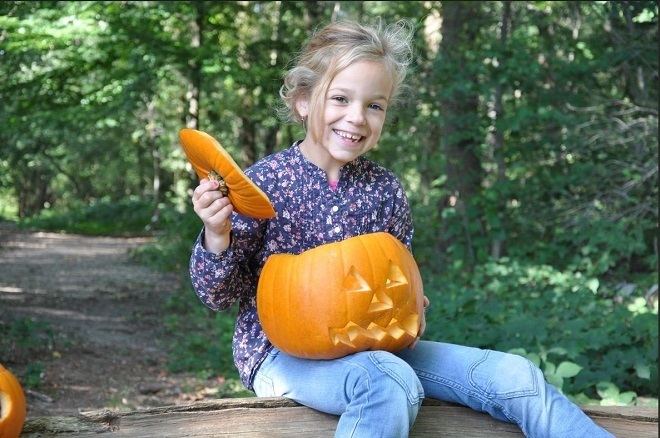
[350, 137]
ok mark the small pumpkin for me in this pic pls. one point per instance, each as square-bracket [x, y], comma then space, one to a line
[210, 159]
[12, 405]
[362, 293]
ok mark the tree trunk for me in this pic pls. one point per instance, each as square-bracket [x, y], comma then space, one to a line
[195, 68]
[496, 137]
[458, 112]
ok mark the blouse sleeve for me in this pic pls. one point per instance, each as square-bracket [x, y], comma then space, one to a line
[220, 279]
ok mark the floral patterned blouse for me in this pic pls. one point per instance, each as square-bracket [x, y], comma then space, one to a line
[368, 198]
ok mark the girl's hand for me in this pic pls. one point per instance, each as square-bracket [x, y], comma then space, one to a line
[213, 208]
[422, 324]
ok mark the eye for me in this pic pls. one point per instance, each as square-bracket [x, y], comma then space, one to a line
[377, 107]
[339, 99]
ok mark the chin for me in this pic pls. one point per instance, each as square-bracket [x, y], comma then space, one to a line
[346, 157]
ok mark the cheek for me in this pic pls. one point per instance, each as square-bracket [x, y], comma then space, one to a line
[376, 124]
[331, 115]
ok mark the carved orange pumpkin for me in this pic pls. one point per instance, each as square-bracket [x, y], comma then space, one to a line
[206, 154]
[12, 405]
[363, 293]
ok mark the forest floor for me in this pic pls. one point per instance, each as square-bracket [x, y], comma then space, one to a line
[106, 348]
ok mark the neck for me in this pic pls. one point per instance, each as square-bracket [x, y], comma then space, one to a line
[318, 156]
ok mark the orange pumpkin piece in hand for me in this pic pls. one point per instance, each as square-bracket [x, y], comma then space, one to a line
[12, 405]
[211, 160]
[362, 293]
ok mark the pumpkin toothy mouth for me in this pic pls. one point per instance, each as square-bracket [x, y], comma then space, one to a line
[396, 330]
[381, 306]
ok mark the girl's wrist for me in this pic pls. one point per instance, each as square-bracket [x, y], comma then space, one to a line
[216, 243]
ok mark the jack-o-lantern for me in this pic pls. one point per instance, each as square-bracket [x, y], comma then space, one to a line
[12, 405]
[362, 293]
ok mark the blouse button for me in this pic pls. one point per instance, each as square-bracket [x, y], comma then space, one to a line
[334, 208]
[337, 229]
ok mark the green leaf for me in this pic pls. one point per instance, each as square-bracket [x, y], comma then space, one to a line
[555, 380]
[626, 398]
[607, 390]
[643, 371]
[534, 357]
[568, 369]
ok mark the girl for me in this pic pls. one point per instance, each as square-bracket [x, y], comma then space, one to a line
[324, 190]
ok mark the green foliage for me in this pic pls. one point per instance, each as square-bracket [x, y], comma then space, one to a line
[577, 330]
[24, 333]
[33, 374]
[176, 236]
[130, 216]
[200, 340]
[21, 338]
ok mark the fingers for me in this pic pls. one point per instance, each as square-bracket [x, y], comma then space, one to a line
[205, 195]
[212, 207]
[205, 186]
[422, 324]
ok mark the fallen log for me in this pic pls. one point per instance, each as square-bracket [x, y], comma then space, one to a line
[279, 417]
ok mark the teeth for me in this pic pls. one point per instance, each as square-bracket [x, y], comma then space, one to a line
[349, 136]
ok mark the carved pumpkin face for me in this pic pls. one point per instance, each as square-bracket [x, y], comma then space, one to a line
[363, 293]
[12, 405]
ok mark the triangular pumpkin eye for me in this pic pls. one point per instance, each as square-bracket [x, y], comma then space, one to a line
[354, 282]
[382, 299]
[396, 277]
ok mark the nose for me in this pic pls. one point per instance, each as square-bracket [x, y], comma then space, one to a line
[356, 115]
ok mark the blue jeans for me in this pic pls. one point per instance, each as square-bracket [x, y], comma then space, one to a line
[378, 394]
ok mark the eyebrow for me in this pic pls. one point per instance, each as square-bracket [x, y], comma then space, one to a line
[347, 91]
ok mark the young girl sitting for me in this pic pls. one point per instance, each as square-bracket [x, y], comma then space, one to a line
[324, 190]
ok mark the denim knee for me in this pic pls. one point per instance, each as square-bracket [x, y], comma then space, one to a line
[501, 375]
[402, 378]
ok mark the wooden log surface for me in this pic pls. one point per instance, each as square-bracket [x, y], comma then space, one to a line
[280, 417]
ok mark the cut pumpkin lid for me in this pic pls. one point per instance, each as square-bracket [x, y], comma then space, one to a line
[206, 154]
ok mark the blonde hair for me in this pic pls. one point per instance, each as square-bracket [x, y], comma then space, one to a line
[337, 46]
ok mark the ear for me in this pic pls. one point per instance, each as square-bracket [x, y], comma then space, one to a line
[302, 109]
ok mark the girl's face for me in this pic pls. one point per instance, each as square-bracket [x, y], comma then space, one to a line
[355, 107]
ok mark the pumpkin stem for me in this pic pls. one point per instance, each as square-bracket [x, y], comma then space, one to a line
[222, 185]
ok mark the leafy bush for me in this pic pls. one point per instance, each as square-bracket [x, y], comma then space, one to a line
[571, 326]
[200, 339]
[171, 251]
[23, 338]
[131, 216]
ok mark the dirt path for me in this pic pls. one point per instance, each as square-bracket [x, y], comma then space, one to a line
[108, 349]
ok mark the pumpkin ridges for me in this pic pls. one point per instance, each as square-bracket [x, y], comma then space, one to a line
[267, 303]
[12, 405]
[310, 319]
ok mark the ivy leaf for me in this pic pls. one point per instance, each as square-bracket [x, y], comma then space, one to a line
[643, 371]
[556, 381]
[593, 284]
[607, 390]
[568, 369]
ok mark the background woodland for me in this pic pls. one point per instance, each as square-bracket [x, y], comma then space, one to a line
[527, 143]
